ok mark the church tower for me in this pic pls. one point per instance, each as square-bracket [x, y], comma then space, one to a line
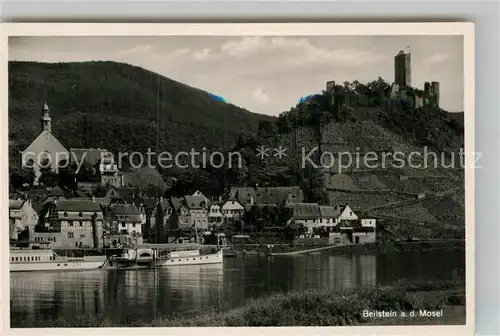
[46, 121]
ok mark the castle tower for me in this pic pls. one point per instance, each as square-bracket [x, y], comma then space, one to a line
[45, 120]
[402, 69]
[427, 89]
[330, 86]
[435, 92]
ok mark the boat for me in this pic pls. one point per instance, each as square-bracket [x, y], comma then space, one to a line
[190, 257]
[26, 260]
[137, 258]
[132, 258]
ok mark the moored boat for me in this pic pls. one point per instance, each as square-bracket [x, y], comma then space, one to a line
[26, 260]
[132, 258]
[190, 257]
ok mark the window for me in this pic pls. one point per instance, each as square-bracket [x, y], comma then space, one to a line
[133, 225]
[81, 223]
[123, 224]
[65, 214]
[54, 239]
[70, 223]
[71, 235]
[80, 214]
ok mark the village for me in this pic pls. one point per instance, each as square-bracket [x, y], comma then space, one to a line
[125, 216]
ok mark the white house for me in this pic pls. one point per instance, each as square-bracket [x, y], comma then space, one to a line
[232, 209]
[21, 216]
[215, 214]
[309, 214]
[126, 219]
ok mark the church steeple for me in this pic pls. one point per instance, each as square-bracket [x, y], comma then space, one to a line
[46, 121]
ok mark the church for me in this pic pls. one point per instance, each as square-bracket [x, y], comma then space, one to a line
[45, 149]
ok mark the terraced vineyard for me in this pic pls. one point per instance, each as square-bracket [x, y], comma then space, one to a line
[400, 181]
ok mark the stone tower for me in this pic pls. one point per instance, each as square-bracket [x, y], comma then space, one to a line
[402, 69]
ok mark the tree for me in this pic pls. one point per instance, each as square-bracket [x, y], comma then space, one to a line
[22, 177]
[47, 176]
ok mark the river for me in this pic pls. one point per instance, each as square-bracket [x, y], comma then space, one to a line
[145, 294]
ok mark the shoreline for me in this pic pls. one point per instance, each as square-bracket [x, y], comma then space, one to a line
[369, 248]
[442, 303]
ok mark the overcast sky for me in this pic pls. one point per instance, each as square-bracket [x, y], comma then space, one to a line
[265, 74]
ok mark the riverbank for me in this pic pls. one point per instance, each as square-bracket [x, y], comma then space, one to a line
[318, 308]
[370, 248]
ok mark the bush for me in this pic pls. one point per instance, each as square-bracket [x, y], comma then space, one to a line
[456, 299]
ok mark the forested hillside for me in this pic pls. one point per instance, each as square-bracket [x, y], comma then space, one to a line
[119, 107]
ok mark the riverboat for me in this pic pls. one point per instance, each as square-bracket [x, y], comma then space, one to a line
[26, 260]
[191, 257]
[137, 258]
[132, 258]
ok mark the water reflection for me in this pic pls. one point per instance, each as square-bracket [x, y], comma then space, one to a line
[144, 294]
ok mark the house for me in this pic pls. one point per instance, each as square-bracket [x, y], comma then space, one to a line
[109, 171]
[126, 219]
[163, 223]
[200, 194]
[46, 150]
[79, 222]
[123, 195]
[266, 195]
[232, 209]
[308, 214]
[21, 216]
[198, 213]
[355, 231]
[96, 167]
[215, 214]
[329, 216]
[180, 213]
[147, 209]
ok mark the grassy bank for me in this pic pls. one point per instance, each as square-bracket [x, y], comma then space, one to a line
[316, 308]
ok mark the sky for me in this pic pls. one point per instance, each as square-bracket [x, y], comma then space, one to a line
[265, 74]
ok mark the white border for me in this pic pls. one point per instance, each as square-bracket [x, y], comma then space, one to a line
[465, 29]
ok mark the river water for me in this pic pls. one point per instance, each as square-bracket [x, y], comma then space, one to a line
[145, 294]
